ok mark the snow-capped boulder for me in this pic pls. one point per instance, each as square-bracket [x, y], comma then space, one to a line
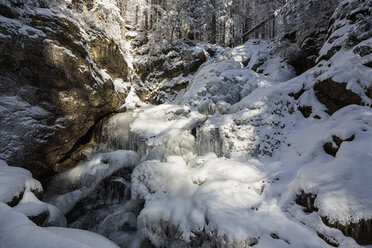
[17, 231]
[36, 210]
[14, 182]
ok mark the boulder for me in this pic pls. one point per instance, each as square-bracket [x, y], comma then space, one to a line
[164, 71]
[360, 231]
[335, 95]
[53, 85]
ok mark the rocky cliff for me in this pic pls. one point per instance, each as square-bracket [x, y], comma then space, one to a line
[57, 83]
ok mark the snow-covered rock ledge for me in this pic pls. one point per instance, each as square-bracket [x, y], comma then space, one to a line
[16, 228]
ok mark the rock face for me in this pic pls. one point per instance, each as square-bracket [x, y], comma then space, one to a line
[304, 37]
[350, 31]
[360, 231]
[335, 95]
[53, 90]
[158, 71]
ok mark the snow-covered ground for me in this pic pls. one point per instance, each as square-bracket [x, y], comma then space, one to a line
[246, 155]
[225, 162]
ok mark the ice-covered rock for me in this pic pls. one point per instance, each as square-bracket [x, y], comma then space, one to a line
[18, 224]
[16, 230]
[166, 69]
[236, 74]
[154, 131]
[75, 184]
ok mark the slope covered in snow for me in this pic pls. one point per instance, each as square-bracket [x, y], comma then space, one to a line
[249, 154]
[297, 161]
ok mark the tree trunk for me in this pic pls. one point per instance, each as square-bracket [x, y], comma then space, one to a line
[145, 13]
[123, 22]
[214, 23]
[224, 34]
[85, 5]
[136, 18]
[73, 4]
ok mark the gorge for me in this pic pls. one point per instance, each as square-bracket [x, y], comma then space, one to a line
[130, 124]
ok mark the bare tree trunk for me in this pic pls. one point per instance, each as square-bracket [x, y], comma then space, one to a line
[233, 35]
[95, 13]
[85, 5]
[151, 15]
[224, 33]
[171, 35]
[123, 22]
[136, 18]
[146, 16]
[214, 23]
[78, 5]
[73, 4]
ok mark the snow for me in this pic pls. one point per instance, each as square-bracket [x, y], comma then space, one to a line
[86, 238]
[230, 154]
[132, 101]
[30, 205]
[120, 86]
[218, 85]
[155, 121]
[254, 153]
[223, 161]
[221, 196]
[17, 231]
[15, 181]
[20, 28]
[341, 183]
[56, 217]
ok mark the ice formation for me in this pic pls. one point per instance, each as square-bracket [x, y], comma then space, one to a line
[18, 231]
[225, 161]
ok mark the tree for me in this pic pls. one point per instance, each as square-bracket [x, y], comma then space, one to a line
[123, 21]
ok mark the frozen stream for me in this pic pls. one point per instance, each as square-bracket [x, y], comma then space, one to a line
[165, 192]
[231, 162]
